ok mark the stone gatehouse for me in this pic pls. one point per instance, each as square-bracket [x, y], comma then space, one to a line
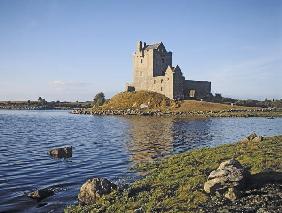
[153, 71]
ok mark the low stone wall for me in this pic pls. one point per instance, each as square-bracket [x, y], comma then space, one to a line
[202, 88]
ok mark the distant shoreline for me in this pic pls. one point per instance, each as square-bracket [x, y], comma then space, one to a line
[42, 105]
[35, 108]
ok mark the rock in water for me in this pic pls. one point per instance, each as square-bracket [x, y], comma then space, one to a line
[93, 189]
[63, 152]
[41, 194]
[227, 180]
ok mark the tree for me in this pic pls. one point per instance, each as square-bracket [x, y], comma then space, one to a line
[99, 99]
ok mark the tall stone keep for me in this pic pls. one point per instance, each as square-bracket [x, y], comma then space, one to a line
[153, 71]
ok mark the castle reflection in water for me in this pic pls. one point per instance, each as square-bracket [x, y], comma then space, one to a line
[151, 138]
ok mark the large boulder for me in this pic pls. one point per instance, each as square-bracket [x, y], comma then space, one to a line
[41, 194]
[228, 180]
[62, 152]
[93, 189]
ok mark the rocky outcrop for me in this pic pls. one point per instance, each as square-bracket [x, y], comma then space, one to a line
[228, 180]
[63, 152]
[254, 138]
[94, 189]
[41, 194]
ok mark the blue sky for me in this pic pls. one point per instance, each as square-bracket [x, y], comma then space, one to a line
[70, 50]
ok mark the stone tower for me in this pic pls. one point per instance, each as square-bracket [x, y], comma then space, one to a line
[149, 61]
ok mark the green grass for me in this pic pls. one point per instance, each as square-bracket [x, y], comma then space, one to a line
[175, 184]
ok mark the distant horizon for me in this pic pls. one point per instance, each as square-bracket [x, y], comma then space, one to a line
[123, 91]
[71, 50]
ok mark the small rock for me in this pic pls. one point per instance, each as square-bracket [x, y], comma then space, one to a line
[41, 194]
[93, 189]
[252, 136]
[143, 106]
[228, 163]
[139, 210]
[258, 139]
[262, 210]
[63, 152]
[233, 194]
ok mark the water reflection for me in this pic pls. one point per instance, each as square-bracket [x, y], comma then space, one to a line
[150, 138]
[189, 134]
[156, 137]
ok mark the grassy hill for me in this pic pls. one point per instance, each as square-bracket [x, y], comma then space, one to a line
[193, 105]
[133, 100]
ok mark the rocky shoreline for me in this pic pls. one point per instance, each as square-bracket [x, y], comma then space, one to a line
[241, 177]
[27, 108]
[260, 112]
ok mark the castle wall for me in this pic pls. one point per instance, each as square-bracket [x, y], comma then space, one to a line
[169, 76]
[161, 61]
[143, 69]
[160, 84]
[201, 88]
[178, 85]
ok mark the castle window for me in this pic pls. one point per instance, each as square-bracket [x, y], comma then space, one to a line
[162, 60]
[168, 79]
[141, 61]
[161, 89]
[162, 81]
[154, 81]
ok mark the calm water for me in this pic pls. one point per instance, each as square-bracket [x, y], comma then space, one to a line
[103, 146]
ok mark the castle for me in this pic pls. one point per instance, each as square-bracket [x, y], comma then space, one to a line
[153, 71]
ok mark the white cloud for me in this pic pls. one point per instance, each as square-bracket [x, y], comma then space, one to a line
[59, 84]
